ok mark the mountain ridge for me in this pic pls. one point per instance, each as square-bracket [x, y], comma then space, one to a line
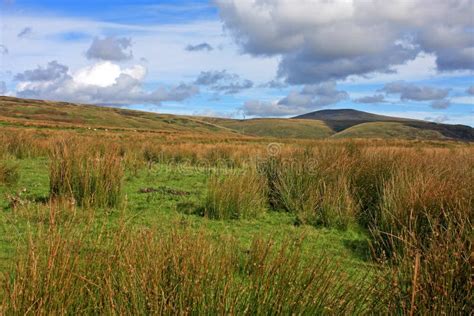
[344, 123]
[342, 119]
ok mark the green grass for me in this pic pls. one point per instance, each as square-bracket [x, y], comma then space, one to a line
[34, 111]
[388, 130]
[335, 123]
[362, 192]
[161, 208]
[278, 128]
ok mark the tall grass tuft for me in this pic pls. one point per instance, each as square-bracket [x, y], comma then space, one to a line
[92, 178]
[182, 272]
[425, 233]
[316, 195]
[370, 171]
[9, 170]
[236, 196]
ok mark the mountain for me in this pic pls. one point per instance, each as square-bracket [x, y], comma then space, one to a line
[358, 124]
[339, 120]
[315, 125]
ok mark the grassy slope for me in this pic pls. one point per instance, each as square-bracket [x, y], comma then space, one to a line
[339, 120]
[352, 123]
[69, 114]
[387, 130]
[316, 125]
[279, 128]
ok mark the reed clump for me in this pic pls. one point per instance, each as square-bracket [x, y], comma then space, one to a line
[91, 177]
[9, 170]
[424, 232]
[181, 272]
[307, 186]
[235, 196]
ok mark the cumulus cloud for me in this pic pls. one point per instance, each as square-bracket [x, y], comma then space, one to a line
[409, 91]
[310, 97]
[102, 83]
[223, 82]
[52, 71]
[262, 108]
[274, 84]
[440, 104]
[3, 88]
[3, 50]
[413, 92]
[25, 32]
[377, 98]
[207, 78]
[320, 40]
[470, 90]
[315, 96]
[110, 48]
[199, 47]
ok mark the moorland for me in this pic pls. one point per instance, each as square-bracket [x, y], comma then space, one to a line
[112, 211]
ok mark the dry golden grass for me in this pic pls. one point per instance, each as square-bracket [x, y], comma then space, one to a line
[414, 198]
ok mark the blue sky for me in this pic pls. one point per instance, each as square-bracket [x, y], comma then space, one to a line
[244, 58]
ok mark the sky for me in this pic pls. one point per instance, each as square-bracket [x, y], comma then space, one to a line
[244, 58]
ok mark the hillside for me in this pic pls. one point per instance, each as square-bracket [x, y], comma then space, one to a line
[278, 128]
[340, 120]
[359, 124]
[314, 125]
[65, 114]
[388, 130]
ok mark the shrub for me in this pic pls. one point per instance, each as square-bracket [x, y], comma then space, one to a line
[91, 178]
[235, 196]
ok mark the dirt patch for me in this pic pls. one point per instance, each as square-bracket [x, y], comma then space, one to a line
[165, 190]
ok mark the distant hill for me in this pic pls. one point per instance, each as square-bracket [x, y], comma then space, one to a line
[339, 120]
[354, 123]
[315, 125]
[278, 128]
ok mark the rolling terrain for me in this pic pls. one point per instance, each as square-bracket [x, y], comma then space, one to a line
[322, 124]
[278, 128]
[65, 114]
[359, 124]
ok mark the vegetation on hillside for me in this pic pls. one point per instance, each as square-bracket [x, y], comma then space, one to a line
[124, 223]
[316, 125]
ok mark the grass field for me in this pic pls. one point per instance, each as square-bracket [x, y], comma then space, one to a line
[102, 219]
[389, 130]
[278, 128]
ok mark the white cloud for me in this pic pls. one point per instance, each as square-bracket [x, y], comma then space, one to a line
[223, 81]
[322, 40]
[410, 91]
[309, 98]
[106, 73]
[161, 45]
[110, 48]
[101, 83]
